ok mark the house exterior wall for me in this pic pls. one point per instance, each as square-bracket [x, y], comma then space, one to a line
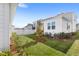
[74, 22]
[71, 21]
[5, 17]
[61, 24]
[58, 25]
[64, 26]
[12, 12]
[28, 27]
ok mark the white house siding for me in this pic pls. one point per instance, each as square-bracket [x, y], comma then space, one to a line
[58, 25]
[74, 22]
[5, 17]
[64, 26]
[71, 22]
[28, 27]
[12, 7]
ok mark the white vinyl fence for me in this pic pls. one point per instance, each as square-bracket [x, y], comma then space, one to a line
[24, 32]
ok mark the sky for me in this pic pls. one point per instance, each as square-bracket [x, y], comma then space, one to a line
[30, 12]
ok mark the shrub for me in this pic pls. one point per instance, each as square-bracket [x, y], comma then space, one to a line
[39, 37]
[62, 36]
[5, 53]
[13, 43]
[49, 35]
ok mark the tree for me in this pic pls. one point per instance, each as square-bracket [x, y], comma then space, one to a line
[13, 44]
[39, 37]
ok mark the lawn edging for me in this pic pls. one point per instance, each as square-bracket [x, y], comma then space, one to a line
[74, 50]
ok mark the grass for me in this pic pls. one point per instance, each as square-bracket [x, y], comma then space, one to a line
[59, 44]
[41, 49]
[51, 47]
[76, 36]
[32, 36]
[5, 53]
[74, 50]
[22, 40]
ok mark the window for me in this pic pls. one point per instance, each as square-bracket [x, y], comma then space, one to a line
[33, 26]
[53, 25]
[48, 25]
[68, 26]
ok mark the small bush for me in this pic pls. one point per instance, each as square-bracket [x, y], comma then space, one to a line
[63, 36]
[39, 36]
[49, 35]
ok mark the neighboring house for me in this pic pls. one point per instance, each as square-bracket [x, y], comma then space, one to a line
[64, 22]
[7, 12]
[29, 29]
[19, 31]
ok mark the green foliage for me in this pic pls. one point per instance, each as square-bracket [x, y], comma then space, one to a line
[5, 53]
[21, 43]
[22, 40]
[59, 45]
[39, 37]
[74, 50]
[63, 35]
[76, 36]
[32, 36]
[41, 49]
[26, 46]
[14, 36]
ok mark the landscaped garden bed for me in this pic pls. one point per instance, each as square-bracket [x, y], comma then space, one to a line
[26, 45]
[59, 44]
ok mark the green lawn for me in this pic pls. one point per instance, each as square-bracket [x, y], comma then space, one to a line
[41, 49]
[76, 36]
[22, 40]
[74, 50]
[59, 44]
[32, 36]
[52, 47]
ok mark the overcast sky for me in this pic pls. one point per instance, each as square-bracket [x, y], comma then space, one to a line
[29, 12]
